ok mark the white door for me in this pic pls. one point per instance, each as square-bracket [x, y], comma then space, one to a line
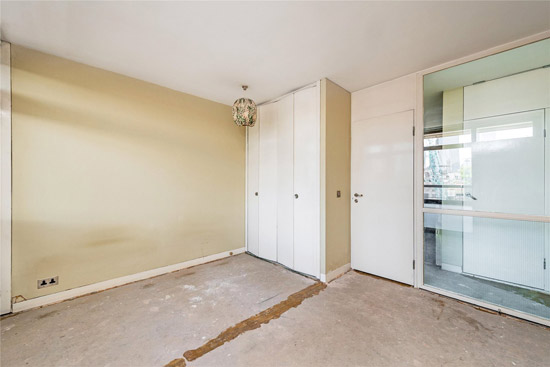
[307, 184]
[252, 187]
[285, 181]
[267, 206]
[382, 196]
[508, 177]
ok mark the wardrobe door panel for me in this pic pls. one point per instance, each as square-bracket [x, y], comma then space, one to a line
[285, 181]
[252, 167]
[267, 224]
[307, 181]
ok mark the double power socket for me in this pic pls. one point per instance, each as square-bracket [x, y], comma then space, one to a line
[48, 282]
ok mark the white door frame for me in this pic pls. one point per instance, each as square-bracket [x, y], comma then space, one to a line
[5, 178]
[419, 182]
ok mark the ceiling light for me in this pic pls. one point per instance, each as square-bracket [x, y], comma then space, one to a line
[244, 111]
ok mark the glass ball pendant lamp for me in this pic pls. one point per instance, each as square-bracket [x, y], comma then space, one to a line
[244, 111]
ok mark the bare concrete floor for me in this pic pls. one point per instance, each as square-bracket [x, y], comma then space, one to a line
[357, 320]
[147, 323]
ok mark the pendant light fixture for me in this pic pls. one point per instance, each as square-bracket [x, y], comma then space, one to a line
[244, 111]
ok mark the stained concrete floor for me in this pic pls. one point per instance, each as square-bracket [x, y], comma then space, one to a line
[147, 323]
[358, 320]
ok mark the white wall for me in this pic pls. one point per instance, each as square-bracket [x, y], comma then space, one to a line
[384, 99]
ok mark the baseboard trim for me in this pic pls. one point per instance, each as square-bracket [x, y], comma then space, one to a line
[107, 284]
[330, 276]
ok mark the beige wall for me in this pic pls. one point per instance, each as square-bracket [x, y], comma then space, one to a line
[453, 107]
[114, 176]
[336, 122]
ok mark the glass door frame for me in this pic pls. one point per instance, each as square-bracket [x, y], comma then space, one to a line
[419, 208]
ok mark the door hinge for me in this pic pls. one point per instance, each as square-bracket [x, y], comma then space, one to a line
[545, 133]
[544, 264]
[414, 264]
[414, 130]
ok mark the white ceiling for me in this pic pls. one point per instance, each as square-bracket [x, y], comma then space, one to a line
[210, 48]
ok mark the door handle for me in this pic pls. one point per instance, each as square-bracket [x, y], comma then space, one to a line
[471, 196]
[358, 195]
[296, 196]
[256, 193]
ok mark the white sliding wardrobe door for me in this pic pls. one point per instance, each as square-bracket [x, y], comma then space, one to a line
[382, 189]
[253, 164]
[267, 224]
[307, 181]
[285, 181]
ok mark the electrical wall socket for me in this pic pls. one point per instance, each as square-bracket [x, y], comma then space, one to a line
[43, 283]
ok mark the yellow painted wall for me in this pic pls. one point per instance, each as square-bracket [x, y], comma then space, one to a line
[336, 120]
[113, 176]
[453, 108]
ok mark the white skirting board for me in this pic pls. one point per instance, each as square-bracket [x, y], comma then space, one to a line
[326, 278]
[101, 286]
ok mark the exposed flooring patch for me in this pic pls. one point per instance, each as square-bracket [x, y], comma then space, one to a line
[255, 321]
[179, 362]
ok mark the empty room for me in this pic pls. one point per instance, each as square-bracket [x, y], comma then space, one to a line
[275, 183]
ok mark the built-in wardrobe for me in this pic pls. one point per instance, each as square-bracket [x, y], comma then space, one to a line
[283, 181]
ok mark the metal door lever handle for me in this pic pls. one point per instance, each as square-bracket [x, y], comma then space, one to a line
[358, 195]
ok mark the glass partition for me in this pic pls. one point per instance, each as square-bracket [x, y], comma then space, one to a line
[497, 261]
[487, 151]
